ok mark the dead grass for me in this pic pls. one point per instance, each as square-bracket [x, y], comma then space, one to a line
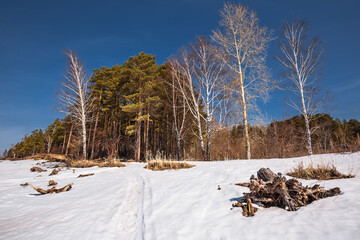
[50, 157]
[160, 162]
[160, 165]
[92, 163]
[320, 172]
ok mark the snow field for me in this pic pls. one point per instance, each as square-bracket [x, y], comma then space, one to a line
[136, 203]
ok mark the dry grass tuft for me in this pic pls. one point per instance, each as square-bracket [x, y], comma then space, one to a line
[160, 165]
[320, 172]
[160, 162]
[92, 163]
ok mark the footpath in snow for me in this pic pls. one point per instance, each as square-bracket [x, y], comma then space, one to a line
[136, 203]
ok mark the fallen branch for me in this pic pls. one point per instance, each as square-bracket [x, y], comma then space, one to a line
[37, 169]
[53, 189]
[85, 175]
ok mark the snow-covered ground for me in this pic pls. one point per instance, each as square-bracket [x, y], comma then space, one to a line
[135, 203]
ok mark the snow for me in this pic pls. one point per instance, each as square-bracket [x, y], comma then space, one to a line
[136, 203]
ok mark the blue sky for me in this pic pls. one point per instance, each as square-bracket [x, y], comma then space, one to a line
[34, 35]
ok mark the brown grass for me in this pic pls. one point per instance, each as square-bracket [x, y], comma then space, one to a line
[320, 172]
[92, 163]
[160, 165]
[50, 157]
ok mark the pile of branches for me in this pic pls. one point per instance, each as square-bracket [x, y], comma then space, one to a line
[270, 189]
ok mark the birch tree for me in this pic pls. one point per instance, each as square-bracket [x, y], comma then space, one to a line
[244, 48]
[203, 85]
[178, 105]
[301, 59]
[73, 96]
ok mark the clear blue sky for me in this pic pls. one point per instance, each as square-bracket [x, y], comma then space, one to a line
[34, 35]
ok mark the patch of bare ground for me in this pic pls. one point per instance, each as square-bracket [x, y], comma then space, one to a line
[320, 172]
[160, 165]
[92, 163]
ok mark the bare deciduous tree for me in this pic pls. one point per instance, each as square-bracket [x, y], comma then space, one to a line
[301, 61]
[199, 76]
[48, 140]
[178, 106]
[73, 96]
[244, 44]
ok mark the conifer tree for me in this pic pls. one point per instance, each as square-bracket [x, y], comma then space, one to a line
[141, 74]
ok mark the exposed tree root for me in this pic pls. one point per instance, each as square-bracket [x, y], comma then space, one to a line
[270, 189]
[53, 189]
[243, 184]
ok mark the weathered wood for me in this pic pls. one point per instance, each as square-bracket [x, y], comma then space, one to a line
[243, 184]
[266, 174]
[52, 183]
[53, 189]
[37, 169]
[85, 175]
[271, 189]
[64, 189]
[54, 172]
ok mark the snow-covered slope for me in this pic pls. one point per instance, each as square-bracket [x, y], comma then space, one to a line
[135, 203]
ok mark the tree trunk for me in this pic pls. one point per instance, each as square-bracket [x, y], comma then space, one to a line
[178, 148]
[63, 145]
[147, 136]
[68, 144]
[138, 138]
[94, 135]
[83, 125]
[49, 145]
[202, 146]
[307, 125]
[208, 143]
[245, 122]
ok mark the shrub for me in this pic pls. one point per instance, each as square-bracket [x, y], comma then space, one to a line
[320, 172]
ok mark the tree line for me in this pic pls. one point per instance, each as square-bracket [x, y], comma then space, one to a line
[200, 104]
[279, 139]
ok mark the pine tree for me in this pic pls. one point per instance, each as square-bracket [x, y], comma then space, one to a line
[141, 73]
